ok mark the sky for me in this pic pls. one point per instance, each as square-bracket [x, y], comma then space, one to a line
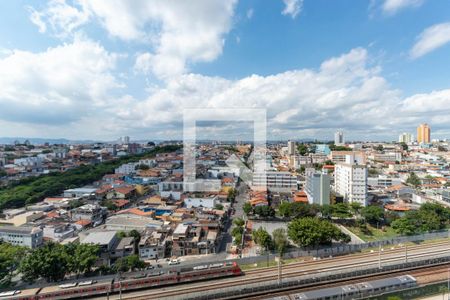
[95, 69]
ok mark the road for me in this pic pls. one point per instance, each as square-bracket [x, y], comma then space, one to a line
[311, 268]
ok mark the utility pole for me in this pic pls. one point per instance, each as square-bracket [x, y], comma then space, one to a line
[406, 253]
[379, 257]
[279, 271]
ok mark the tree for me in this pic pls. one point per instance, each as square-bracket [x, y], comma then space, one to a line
[280, 240]
[237, 239]
[238, 222]
[49, 261]
[134, 262]
[264, 211]
[341, 210]
[218, 206]
[404, 146]
[301, 210]
[302, 149]
[121, 234]
[309, 232]
[379, 147]
[232, 193]
[284, 209]
[85, 257]
[413, 179]
[262, 238]
[142, 167]
[237, 230]
[110, 205]
[326, 211]
[355, 207]
[10, 258]
[372, 214]
[247, 207]
[405, 226]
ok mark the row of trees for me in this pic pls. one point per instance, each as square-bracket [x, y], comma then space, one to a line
[238, 231]
[263, 211]
[31, 190]
[54, 261]
[429, 217]
[51, 261]
[304, 232]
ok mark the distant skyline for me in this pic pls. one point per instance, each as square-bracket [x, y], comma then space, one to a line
[374, 69]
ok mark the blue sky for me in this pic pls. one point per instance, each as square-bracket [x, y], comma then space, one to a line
[92, 69]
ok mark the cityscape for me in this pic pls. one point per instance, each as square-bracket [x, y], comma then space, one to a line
[225, 149]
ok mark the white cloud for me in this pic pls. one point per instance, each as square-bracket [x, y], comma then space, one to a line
[61, 85]
[62, 97]
[430, 39]
[393, 6]
[292, 7]
[60, 16]
[177, 33]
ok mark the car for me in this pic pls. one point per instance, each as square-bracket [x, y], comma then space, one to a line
[174, 262]
[150, 267]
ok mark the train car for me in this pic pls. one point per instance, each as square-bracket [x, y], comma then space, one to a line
[386, 285]
[212, 271]
[155, 279]
[358, 290]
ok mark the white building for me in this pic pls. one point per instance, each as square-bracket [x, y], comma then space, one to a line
[291, 147]
[209, 202]
[31, 237]
[339, 138]
[275, 180]
[351, 181]
[129, 168]
[406, 138]
[383, 181]
[317, 187]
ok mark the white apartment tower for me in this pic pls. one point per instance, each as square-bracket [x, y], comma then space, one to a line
[339, 138]
[405, 138]
[317, 187]
[351, 181]
[291, 147]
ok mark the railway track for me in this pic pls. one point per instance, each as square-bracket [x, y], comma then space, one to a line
[293, 271]
[344, 258]
[429, 271]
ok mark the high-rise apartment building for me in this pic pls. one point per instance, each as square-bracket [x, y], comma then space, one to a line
[423, 134]
[317, 187]
[291, 147]
[351, 181]
[406, 138]
[339, 138]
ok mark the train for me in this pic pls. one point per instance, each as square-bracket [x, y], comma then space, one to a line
[360, 290]
[142, 280]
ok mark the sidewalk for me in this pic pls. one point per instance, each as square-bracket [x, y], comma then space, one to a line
[355, 239]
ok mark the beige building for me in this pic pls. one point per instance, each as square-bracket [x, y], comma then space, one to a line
[423, 134]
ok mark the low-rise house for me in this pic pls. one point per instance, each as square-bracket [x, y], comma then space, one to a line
[152, 246]
[58, 231]
[125, 247]
[31, 237]
[91, 212]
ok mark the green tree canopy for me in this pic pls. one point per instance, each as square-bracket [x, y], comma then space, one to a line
[413, 179]
[313, 232]
[280, 240]
[247, 207]
[49, 261]
[372, 214]
[262, 238]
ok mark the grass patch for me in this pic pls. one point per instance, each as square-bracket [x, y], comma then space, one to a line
[371, 234]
